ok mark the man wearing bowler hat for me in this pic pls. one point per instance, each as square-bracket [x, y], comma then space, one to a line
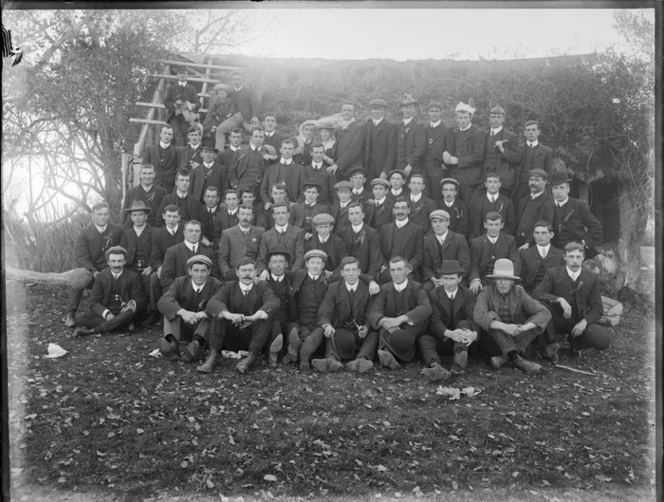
[440, 245]
[455, 207]
[503, 153]
[451, 327]
[400, 313]
[183, 306]
[571, 219]
[380, 150]
[343, 317]
[530, 206]
[242, 309]
[510, 317]
[465, 153]
[411, 140]
[436, 136]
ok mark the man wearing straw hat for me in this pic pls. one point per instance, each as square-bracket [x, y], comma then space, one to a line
[465, 153]
[343, 317]
[510, 317]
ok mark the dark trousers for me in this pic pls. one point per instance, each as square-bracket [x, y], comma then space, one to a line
[433, 176]
[431, 346]
[184, 332]
[594, 336]
[507, 344]
[360, 348]
[230, 337]
[154, 291]
[468, 192]
[89, 319]
[312, 339]
[75, 297]
[180, 126]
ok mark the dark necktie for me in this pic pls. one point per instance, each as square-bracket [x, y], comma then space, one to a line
[452, 304]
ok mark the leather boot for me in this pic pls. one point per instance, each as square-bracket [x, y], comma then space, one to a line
[210, 363]
[275, 348]
[192, 353]
[498, 361]
[169, 350]
[387, 360]
[359, 365]
[244, 364]
[436, 372]
[69, 320]
[528, 367]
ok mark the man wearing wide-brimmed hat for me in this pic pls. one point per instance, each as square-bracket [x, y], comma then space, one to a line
[183, 306]
[451, 327]
[465, 153]
[571, 219]
[511, 318]
[380, 150]
[400, 313]
[411, 139]
[137, 240]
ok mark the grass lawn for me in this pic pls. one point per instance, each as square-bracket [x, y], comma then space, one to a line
[109, 422]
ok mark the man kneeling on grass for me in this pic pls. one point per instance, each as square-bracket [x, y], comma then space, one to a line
[183, 307]
[117, 296]
[510, 317]
[242, 309]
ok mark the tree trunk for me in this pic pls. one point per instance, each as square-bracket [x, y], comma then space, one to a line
[633, 220]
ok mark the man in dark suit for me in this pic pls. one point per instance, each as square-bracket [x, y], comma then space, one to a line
[362, 241]
[284, 235]
[572, 295]
[164, 158]
[227, 216]
[571, 219]
[234, 144]
[183, 307]
[535, 156]
[491, 201]
[487, 248]
[349, 147]
[286, 172]
[117, 296]
[248, 165]
[436, 135]
[502, 153]
[190, 156]
[510, 318]
[401, 238]
[137, 241]
[92, 243]
[441, 245]
[540, 257]
[400, 313]
[411, 139]
[237, 242]
[379, 209]
[247, 198]
[302, 213]
[243, 311]
[209, 173]
[146, 192]
[465, 155]
[343, 317]
[162, 239]
[207, 214]
[421, 206]
[451, 327]
[188, 204]
[175, 259]
[380, 150]
[457, 209]
[530, 207]
[358, 180]
[316, 172]
[272, 137]
[324, 240]
[181, 99]
[339, 208]
[247, 107]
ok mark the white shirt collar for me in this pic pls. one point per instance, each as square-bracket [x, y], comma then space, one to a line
[415, 198]
[101, 230]
[533, 143]
[562, 203]
[320, 239]
[288, 162]
[208, 166]
[269, 134]
[358, 191]
[448, 204]
[344, 204]
[357, 228]
[253, 147]
[376, 122]
[194, 147]
[139, 230]
[164, 145]
[407, 121]
[400, 287]
[117, 276]
[313, 277]
[543, 249]
[245, 288]
[350, 288]
[534, 196]
[453, 294]
[233, 148]
[496, 131]
[441, 238]
[198, 289]
[172, 231]
[396, 193]
[469, 126]
[281, 229]
[435, 124]
[492, 197]
[232, 213]
[401, 223]
[277, 278]
[380, 201]
[492, 240]
[238, 89]
[317, 165]
[181, 195]
[191, 246]
[148, 188]
[573, 275]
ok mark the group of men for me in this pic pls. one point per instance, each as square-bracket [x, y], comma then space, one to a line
[403, 238]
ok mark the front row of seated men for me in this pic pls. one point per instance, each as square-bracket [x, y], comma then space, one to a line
[345, 319]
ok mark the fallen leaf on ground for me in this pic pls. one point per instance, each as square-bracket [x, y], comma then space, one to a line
[55, 351]
[451, 392]
[269, 477]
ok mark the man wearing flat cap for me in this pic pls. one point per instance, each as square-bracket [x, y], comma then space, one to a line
[455, 207]
[502, 154]
[530, 206]
[380, 150]
[117, 297]
[302, 213]
[572, 295]
[381, 204]
[436, 136]
[451, 327]
[441, 245]
[324, 240]
[242, 310]
[411, 140]
[571, 219]
[241, 240]
[181, 102]
[510, 317]
[137, 241]
[349, 147]
[535, 156]
[343, 317]
[183, 306]
[400, 313]
[465, 153]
